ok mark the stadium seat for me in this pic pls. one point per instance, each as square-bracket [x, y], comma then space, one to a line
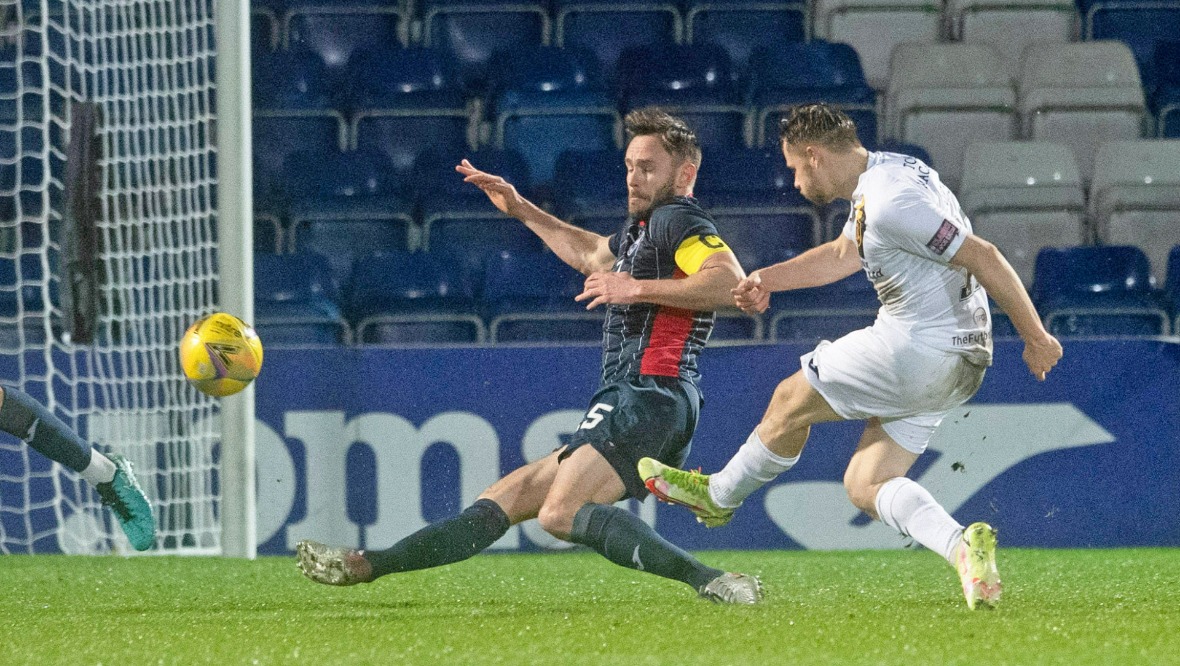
[391, 77]
[740, 26]
[1137, 23]
[608, 27]
[1010, 25]
[823, 313]
[1135, 197]
[264, 30]
[397, 297]
[548, 100]
[342, 228]
[737, 326]
[472, 31]
[1023, 196]
[1097, 291]
[336, 32]
[436, 181]
[280, 133]
[294, 79]
[694, 82]
[590, 188]
[1172, 288]
[529, 297]
[296, 301]
[946, 96]
[761, 236]
[403, 135]
[268, 233]
[1165, 99]
[465, 229]
[875, 27]
[1082, 95]
[798, 73]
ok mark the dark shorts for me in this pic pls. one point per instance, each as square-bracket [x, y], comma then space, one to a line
[649, 417]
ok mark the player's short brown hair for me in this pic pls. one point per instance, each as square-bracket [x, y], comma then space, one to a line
[821, 123]
[675, 135]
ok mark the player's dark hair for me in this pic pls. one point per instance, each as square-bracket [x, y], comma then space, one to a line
[675, 135]
[824, 124]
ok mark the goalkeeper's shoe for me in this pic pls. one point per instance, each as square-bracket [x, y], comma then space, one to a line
[733, 588]
[690, 489]
[129, 504]
[976, 562]
[333, 566]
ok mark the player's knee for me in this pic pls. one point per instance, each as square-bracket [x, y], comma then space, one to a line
[556, 519]
[862, 494]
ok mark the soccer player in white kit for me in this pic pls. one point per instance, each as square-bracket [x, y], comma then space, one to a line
[925, 355]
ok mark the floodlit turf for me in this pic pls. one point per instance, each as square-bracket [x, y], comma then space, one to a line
[1067, 607]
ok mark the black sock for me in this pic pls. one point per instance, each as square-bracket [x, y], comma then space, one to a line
[623, 538]
[29, 420]
[444, 542]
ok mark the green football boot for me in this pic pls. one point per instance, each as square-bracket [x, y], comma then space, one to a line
[689, 489]
[976, 562]
[129, 504]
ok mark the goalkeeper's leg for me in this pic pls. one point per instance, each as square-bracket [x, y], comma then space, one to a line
[112, 477]
[515, 498]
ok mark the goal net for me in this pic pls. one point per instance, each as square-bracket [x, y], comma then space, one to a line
[107, 253]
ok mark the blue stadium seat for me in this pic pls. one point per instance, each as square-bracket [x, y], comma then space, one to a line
[1001, 323]
[358, 173]
[268, 233]
[436, 181]
[403, 135]
[1172, 288]
[529, 297]
[546, 100]
[737, 326]
[608, 27]
[342, 228]
[290, 80]
[823, 313]
[279, 133]
[1139, 24]
[746, 177]
[800, 73]
[1097, 291]
[336, 32]
[391, 77]
[1165, 100]
[397, 297]
[590, 189]
[693, 82]
[296, 301]
[740, 26]
[761, 236]
[465, 229]
[264, 30]
[473, 30]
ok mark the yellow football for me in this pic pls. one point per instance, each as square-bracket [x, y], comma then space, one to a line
[220, 354]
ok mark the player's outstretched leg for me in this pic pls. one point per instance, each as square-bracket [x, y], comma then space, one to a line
[445, 542]
[623, 538]
[112, 477]
[688, 489]
[976, 562]
[130, 506]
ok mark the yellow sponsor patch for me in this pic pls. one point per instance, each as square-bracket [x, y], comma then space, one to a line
[696, 249]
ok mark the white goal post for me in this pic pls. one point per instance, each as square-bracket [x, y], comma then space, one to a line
[125, 214]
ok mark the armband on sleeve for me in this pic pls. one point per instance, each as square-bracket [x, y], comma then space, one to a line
[696, 249]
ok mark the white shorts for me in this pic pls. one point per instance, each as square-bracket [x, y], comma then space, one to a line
[909, 387]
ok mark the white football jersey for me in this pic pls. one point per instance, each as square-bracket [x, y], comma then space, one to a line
[907, 226]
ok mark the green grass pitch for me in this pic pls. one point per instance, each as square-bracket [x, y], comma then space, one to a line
[895, 607]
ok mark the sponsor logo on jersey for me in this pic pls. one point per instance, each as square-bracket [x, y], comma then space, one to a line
[943, 237]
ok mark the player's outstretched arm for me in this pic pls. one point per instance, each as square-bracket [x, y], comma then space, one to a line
[586, 251]
[992, 270]
[832, 261]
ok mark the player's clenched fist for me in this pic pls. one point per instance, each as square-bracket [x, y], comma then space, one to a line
[749, 295]
[1041, 355]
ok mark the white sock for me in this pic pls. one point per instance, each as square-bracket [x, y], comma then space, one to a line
[100, 469]
[752, 467]
[910, 509]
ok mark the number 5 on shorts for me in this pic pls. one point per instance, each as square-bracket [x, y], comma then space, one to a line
[595, 416]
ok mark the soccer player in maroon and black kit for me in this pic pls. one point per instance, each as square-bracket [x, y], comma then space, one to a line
[660, 278]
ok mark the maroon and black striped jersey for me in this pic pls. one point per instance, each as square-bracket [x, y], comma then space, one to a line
[648, 339]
